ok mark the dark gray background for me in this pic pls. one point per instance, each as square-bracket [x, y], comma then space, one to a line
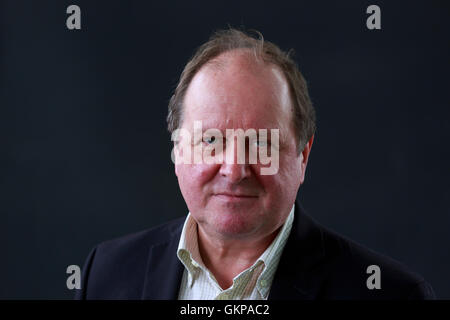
[85, 155]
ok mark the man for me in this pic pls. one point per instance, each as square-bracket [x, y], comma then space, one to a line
[245, 237]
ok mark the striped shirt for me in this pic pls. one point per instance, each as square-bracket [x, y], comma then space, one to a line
[254, 283]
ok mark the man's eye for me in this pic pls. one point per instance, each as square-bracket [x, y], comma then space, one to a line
[260, 143]
[210, 140]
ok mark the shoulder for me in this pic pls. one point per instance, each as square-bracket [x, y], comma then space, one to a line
[116, 269]
[143, 240]
[146, 238]
[354, 268]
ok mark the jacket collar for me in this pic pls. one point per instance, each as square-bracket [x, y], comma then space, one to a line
[164, 269]
[296, 276]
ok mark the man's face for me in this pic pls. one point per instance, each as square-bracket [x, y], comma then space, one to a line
[232, 200]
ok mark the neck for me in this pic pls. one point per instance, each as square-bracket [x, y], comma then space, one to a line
[226, 258]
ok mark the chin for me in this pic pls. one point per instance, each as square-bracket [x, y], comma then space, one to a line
[233, 224]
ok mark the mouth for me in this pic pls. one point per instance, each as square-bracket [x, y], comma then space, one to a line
[234, 196]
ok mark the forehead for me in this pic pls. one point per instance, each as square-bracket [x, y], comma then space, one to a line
[237, 91]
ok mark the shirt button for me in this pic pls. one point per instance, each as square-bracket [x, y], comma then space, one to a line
[263, 283]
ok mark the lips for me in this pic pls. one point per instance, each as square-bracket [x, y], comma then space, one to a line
[237, 196]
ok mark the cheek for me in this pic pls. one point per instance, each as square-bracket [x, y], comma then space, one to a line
[193, 180]
[285, 183]
[290, 174]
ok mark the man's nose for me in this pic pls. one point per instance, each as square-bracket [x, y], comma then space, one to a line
[233, 168]
[235, 172]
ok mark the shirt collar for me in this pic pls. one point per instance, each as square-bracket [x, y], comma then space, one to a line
[189, 254]
[271, 256]
[187, 251]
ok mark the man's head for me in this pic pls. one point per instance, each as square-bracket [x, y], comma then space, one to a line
[235, 81]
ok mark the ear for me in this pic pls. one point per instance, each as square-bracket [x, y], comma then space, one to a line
[175, 156]
[304, 158]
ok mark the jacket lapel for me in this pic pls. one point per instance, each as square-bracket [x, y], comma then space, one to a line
[164, 270]
[299, 275]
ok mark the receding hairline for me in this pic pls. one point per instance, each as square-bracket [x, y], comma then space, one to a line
[249, 61]
[245, 56]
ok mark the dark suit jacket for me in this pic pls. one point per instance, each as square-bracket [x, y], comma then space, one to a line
[316, 264]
